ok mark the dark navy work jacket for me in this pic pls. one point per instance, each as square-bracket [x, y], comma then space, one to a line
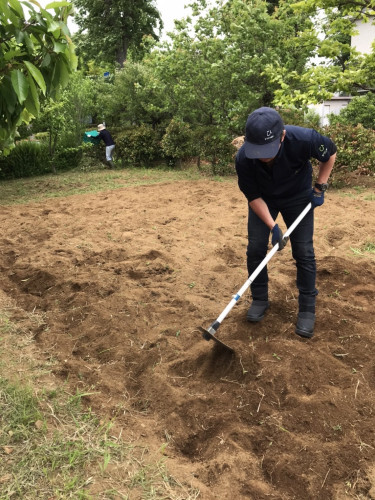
[291, 171]
[107, 138]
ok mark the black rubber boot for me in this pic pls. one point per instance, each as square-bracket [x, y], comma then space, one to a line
[110, 164]
[257, 310]
[305, 324]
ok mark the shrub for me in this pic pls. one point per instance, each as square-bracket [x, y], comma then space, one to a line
[139, 146]
[360, 110]
[67, 158]
[178, 141]
[25, 160]
[355, 148]
[92, 157]
[29, 159]
[214, 145]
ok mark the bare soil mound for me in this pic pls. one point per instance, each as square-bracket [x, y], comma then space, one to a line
[125, 278]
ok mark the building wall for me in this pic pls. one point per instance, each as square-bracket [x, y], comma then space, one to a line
[365, 36]
[327, 107]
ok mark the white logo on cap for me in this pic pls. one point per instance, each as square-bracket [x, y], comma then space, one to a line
[270, 135]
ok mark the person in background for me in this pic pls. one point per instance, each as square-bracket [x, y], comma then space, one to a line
[275, 174]
[109, 144]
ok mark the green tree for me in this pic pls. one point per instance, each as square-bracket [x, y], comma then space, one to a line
[108, 30]
[211, 72]
[79, 101]
[54, 119]
[135, 97]
[64, 117]
[36, 55]
[337, 67]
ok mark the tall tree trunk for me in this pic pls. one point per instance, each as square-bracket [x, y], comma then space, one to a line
[122, 53]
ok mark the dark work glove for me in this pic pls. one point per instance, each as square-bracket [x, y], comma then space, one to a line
[277, 237]
[316, 198]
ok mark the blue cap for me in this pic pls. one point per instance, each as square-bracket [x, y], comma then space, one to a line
[264, 127]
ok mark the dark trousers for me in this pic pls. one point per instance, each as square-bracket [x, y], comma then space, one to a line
[301, 241]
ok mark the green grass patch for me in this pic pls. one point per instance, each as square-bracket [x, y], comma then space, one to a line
[52, 446]
[73, 182]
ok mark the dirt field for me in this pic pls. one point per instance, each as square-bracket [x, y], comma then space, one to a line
[124, 279]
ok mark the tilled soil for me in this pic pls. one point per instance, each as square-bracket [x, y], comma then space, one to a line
[124, 279]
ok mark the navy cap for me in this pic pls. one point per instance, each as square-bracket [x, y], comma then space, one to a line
[264, 127]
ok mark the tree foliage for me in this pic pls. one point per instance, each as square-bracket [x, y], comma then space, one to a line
[63, 118]
[108, 30]
[36, 56]
[135, 96]
[337, 66]
[235, 55]
[361, 110]
[211, 72]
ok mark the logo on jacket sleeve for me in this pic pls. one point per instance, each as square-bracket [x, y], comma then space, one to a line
[323, 150]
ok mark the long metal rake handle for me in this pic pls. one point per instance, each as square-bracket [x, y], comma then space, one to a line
[212, 329]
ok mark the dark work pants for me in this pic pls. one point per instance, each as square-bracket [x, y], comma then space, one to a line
[301, 241]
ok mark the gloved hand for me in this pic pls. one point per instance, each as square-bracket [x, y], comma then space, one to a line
[277, 237]
[316, 198]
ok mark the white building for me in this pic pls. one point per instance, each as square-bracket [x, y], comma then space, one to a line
[334, 105]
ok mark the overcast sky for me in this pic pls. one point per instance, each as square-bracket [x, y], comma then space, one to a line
[171, 10]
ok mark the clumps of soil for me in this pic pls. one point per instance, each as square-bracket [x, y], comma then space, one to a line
[124, 279]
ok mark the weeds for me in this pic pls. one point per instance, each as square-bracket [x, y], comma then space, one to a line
[367, 247]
